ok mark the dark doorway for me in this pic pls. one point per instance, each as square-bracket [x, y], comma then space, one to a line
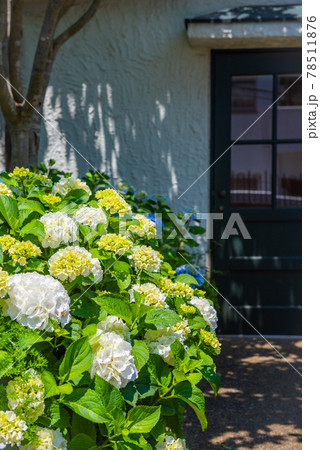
[259, 178]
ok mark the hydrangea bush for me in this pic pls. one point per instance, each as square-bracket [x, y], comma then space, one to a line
[102, 342]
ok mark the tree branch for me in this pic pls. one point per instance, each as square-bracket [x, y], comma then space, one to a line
[73, 29]
[14, 48]
[7, 102]
[43, 50]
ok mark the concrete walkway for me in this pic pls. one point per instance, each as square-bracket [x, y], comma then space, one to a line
[259, 402]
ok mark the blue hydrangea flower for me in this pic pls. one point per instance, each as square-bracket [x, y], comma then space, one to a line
[194, 271]
[156, 219]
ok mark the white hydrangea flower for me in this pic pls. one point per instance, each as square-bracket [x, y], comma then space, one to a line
[115, 324]
[159, 341]
[65, 185]
[47, 440]
[170, 443]
[59, 228]
[33, 299]
[71, 262]
[89, 216]
[146, 258]
[146, 227]
[208, 312]
[11, 429]
[153, 295]
[112, 360]
[26, 395]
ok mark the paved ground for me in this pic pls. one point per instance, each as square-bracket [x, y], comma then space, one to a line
[259, 402]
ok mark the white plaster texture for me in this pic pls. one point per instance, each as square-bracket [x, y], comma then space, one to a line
[130, 97]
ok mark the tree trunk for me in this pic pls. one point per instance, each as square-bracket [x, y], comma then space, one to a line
[22, 145]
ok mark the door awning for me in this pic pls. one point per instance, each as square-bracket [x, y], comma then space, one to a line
[255, 26]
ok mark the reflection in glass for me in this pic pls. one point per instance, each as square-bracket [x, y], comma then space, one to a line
[289, 107]
[289, 168]
[251, 175]
[251, 96]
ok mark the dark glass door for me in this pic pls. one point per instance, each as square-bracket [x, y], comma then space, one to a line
[259, 177]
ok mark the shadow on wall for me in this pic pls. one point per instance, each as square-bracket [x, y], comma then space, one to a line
[259, 402]
[133, 99]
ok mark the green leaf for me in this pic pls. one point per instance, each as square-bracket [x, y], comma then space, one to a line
[110, 395]
[142, 419]
[210, 375]
[34, 227]
[59, 415]
[162, 318]
[81, 425]
[77, 359]
[186, 278]
[122, 266]
[116, 307]
[32, 205]
[89, 330]
[65, 388]
[197, 230]
[140, 353]
[1, 255]
[82, 442]
[9, 211]
[193, 396]
[3, 398]
[123, 280]
[78, 196]
[88, 404]
[50, 385]
[159, 370]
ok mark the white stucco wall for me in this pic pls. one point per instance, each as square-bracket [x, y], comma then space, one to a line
[132, 97]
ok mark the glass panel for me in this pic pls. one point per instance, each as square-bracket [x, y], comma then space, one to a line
[251, 96]
[289, 168]
[289, 107]
[251, 175]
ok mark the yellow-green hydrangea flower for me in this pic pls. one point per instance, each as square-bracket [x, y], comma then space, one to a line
[211, 340]
[152, 294]
[6, 242]
[112, 201]
[115, 243]
[177, 289]
[11, 429]
[145, 228]
[71, 262]
[21, 251]
[146, 258]
[4, 278]
[187, 309]
[51, 200]
[26, 396]
[4, 190]
[20, 172]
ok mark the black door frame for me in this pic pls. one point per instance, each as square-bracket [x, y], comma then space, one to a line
[220, 173]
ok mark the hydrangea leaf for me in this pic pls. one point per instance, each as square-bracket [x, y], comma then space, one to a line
[193, 396]
[142, 419]
[82, 442]
[9, 211]
[50, 384]
[210, 375]
[77, 359]
[88, 404]
[140, 353]
[110, 395]
[34, 227]
[162, 318]
[186, 278]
